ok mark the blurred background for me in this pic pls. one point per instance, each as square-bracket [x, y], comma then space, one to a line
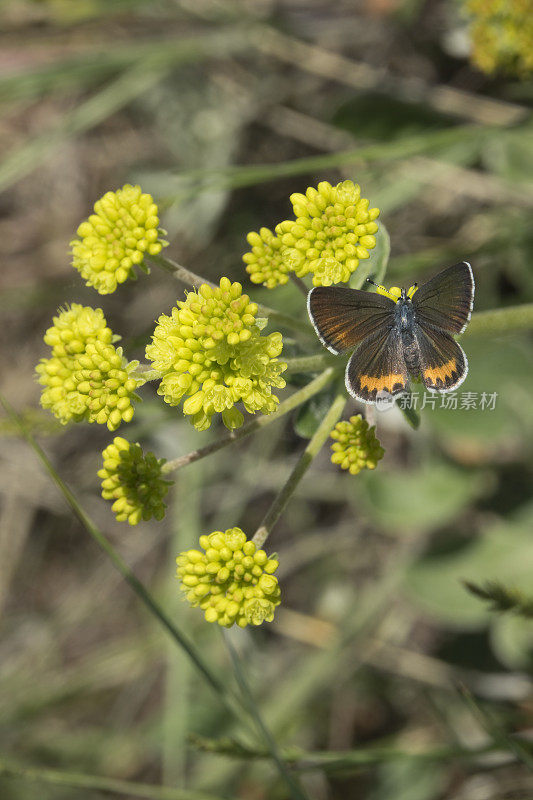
[221, 110]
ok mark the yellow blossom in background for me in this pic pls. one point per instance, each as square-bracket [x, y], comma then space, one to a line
[86, 377]
[116, 238]
[264, 262]
[502, 35]
[212, 355]
[333, 230]
[230, 580]
[134, 481]
[356, 446]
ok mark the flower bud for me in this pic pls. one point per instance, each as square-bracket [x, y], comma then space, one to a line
[115, 239]
[212, 355]
[333, 230]
[234, 586]
[356, 446]
[136, 483]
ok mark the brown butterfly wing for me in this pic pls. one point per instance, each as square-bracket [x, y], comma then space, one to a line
[345, 317]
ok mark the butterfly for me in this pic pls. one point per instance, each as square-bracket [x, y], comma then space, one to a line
[397, 333]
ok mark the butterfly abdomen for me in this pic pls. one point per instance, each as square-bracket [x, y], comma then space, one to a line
[404, 319]
[411, 355]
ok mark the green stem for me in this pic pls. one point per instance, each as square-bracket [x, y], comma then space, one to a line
[100, 783]
[229, 700]
[292, 782]
[333, 761]
[300, 284]
[239, 176]
[304, 462]
[498, 734]
[292, 402]
[192, 279]
[311, 363]
[180, 273]
[501, 320]
[145, 372]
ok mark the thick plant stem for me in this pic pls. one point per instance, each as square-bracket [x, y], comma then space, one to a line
[190, 278]
[304, 462]
[501, 320]
[229, 700]
[292, 402]
[312, 363]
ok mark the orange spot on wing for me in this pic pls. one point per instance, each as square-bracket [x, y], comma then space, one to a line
[379, 382]
[433, 374]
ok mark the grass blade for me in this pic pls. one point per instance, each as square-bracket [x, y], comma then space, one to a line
[79, 780]
[230, 701]
[297, 793]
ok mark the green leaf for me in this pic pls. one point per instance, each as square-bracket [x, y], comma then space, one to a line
[384, 118]
[408, 780]
[311, 413]
[420, 499]
[503, 553]
[375, 266]
[501, 365]
[512, 641]
[411, 415]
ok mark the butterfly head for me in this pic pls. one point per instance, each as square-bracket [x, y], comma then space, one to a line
[395, 293]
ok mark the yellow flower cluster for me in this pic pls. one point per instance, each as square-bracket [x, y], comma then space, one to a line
[211, 351]
[116, 238]
[87, 377]
[231, 581]
[134, 482]
[333, 230]
[265, 263]
[502, 35]
[356, 446]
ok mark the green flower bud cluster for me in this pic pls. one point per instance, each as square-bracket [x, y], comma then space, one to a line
[356, 446]
[231, 581]
[333, 230]
[134, 481]
[123, 229]
[211, 351]
[265, 263]
[87, 377]
[502, 35]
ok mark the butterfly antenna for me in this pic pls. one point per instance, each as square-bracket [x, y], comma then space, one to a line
[369, 280]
